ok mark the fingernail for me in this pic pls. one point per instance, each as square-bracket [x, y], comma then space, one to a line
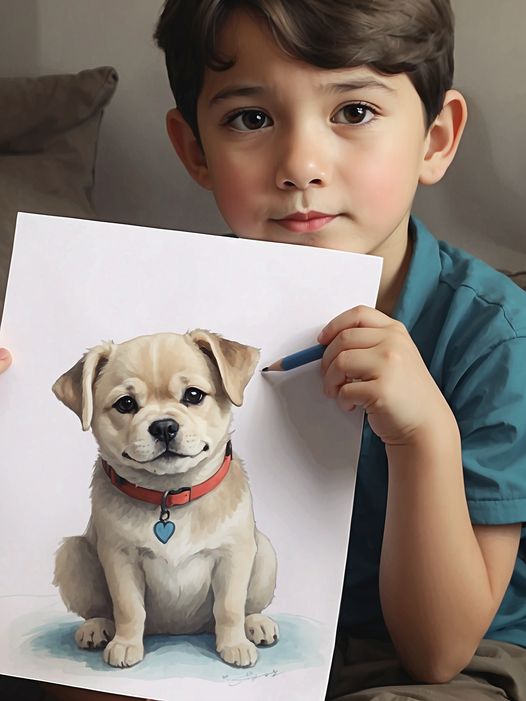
[4, 354]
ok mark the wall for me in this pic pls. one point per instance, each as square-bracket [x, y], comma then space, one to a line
[478, 204]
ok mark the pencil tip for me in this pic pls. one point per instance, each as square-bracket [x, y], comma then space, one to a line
[265, 370]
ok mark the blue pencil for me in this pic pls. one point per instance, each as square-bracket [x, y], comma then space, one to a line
[302, 357]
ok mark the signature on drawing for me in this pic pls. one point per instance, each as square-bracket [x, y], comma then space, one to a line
[249, 676]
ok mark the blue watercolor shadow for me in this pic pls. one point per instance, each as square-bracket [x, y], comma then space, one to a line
[168, 656]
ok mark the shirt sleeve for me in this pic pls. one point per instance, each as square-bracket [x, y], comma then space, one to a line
[489, 403]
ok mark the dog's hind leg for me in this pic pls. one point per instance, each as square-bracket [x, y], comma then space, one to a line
[80, 579]
[260, 629]
[82, 585]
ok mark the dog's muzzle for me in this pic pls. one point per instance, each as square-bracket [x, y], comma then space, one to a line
[164, 432]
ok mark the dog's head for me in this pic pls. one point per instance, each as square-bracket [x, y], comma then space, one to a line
[159, 403]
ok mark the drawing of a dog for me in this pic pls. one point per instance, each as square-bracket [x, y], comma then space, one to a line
[171, 546]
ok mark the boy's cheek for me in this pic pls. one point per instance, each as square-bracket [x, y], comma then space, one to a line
[235, 198]
[232, 205]
[387, 185]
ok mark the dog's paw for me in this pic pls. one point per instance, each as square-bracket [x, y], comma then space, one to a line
[123, 653]
[95, 633]
[261, 630]
[243, 654]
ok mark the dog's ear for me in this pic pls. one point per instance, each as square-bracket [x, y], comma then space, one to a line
[236, 362]
[75, 387]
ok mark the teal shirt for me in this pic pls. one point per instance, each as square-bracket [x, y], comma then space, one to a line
[469, 324]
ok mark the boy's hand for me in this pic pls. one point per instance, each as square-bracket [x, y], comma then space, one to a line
[371, 361]
[5, 359]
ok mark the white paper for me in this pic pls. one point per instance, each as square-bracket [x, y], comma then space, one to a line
[74, 283]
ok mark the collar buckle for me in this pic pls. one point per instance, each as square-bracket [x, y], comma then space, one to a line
[173, 492]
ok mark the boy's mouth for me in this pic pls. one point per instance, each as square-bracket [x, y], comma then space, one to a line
[304, 222]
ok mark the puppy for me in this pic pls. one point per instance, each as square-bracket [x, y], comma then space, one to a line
[171, 546]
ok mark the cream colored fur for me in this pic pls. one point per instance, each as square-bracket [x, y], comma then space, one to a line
[217, 572]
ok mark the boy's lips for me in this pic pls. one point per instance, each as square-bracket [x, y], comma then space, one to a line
[300, 222]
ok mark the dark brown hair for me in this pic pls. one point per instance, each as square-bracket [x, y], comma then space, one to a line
[415, 37]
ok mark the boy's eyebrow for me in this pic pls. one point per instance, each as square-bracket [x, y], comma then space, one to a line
[344, 86]
[360, 84]
[237, 91]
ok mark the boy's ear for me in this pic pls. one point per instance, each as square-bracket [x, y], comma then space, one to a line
[443, 138]
[188, 147]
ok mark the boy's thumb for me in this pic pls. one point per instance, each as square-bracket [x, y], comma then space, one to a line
[5, 359]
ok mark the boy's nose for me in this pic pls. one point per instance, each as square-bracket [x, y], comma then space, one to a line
[304, 162]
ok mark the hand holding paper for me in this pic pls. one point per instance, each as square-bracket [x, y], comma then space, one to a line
[5, 359]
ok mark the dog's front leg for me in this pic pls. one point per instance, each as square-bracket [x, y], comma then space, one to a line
[230, 580]
[126, 584]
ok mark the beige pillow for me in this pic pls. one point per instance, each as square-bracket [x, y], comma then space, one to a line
[519, 278]
[49, 128]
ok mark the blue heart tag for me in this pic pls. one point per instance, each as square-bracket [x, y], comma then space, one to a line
[164, 530]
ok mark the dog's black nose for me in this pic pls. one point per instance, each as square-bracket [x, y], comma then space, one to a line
[164, 429]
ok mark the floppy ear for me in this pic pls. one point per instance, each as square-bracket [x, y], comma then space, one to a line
[236, 362]
[75, 387]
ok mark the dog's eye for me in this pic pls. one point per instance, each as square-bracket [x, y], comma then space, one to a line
[126, 405]
[193, 396]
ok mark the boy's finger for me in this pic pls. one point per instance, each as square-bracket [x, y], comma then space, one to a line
[351, 339]
[356, 394]
[5, 359]
[357, 316]
[350, 366]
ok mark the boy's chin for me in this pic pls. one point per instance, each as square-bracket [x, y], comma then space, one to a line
[277, 234]
[315, 239]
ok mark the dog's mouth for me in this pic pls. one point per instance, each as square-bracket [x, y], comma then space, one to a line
[167, 455]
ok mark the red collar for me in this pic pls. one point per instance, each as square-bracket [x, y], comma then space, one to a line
[176, 497]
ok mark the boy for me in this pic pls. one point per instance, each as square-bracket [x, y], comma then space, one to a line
[312, 123]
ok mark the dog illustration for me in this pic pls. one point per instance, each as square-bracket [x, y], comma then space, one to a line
[171, 546]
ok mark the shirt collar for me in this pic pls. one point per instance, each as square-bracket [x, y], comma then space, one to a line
[422, 277]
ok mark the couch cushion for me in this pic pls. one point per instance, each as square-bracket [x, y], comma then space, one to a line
[48, 144]
[519, 278]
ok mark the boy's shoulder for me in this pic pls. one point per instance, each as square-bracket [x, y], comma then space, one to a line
[463, 270]
[464, 290]
[485, 290]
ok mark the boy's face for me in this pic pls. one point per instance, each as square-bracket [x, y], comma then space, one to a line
[299, 154]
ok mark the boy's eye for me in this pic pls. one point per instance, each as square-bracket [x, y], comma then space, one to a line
[249, 120]
[354, 113]
[126, 405]
[193, 396]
